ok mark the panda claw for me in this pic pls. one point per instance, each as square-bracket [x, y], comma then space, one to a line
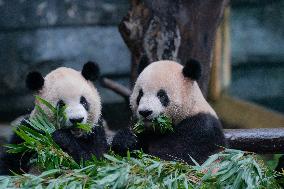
[123, 141]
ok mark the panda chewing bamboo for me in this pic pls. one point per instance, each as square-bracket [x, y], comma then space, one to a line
[75, 90]
[167, 88]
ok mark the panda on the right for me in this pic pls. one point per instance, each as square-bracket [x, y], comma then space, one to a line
[168, 88]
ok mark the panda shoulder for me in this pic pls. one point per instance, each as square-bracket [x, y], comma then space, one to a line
[202, 127]
[98, 130]
[202, 121]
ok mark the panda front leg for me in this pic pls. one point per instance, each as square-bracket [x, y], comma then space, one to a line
[15, 162]
[84, 147]
[68, 143]
[123, 141]
[95, 143]
[201, 136]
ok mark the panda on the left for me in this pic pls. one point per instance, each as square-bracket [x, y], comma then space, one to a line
[74, 90]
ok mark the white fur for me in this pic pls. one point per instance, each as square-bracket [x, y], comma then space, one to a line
[75, 111]
[184, 94]
[150, 102]
[69, 85]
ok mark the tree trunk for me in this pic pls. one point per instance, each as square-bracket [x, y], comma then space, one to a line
[176, 30]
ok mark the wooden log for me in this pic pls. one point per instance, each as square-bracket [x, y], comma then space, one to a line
[116, 87]
[261, 141]
[175, 30]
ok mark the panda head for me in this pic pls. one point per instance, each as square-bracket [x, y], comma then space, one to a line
[166, 87]
[70, 88]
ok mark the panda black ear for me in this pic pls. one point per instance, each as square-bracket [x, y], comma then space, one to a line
[144, 62]
[192, 69]
[34, 81]
[91, 71]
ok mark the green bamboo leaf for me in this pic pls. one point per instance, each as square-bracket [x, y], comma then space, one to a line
[40, 111]
[49, 172]
[48, 127]
[229, 174]
[112, 158]
[36, 125]
[32, 133]
[258, 168]
[46, 103]
[15, 148]
[24, 136]
[85, 127]
[4, 182]
[237, 169]
[153, 166]
[210, 160]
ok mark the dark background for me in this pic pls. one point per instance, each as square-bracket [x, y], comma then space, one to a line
[45, 34]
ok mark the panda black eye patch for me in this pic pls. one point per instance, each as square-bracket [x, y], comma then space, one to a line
[60, 104]
[84, 102]
[139, 96]
[163, 97]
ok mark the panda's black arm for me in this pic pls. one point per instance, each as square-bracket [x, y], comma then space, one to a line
[123, 141]
[16, 162]
[95, 143]
[82, 148]
[280, 165]
[201, 135]
[69, 144]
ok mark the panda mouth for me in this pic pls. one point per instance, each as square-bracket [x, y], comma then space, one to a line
[148, 122]
[77, 132]
[149, 119]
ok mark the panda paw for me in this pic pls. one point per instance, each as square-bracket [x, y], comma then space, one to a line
[123, 141]
[62, 138]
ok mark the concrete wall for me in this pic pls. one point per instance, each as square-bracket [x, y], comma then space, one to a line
[257, 36]
[43, 35]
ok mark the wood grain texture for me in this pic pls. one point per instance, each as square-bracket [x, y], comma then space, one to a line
[175, 30]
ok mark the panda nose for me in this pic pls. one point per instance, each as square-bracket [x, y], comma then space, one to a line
[76, 120]
[145, 113]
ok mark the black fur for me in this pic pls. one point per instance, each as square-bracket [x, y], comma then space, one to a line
[60, 104]
[280, 168]
[34, 81]
[139, 96]
[192, 69]
[82, 148]
[85, 103]
[197, 136]
[280, 165]
[18, 162]
[124, 140]
[144, 62]
[91, 71]
[163, 97]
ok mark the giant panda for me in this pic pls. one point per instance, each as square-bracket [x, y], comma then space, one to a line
[65, 86]
[166, 87]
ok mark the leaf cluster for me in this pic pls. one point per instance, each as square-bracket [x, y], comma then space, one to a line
[236, 169]
[161, 123]
[227, 169]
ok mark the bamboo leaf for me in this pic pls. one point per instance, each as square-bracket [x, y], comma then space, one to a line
[85, 127]
[47, 104]
[236, 169]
